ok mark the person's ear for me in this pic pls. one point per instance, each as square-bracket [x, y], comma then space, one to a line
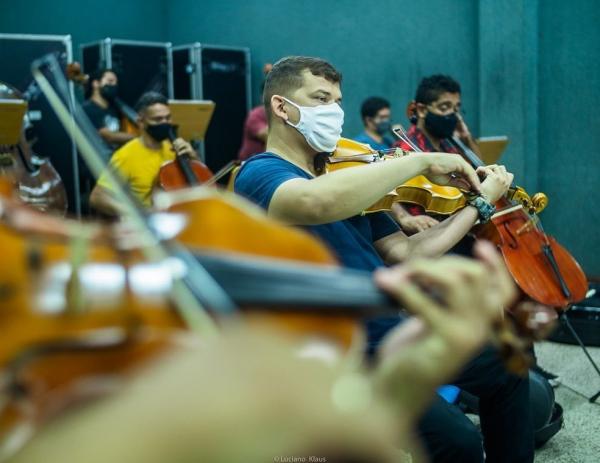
[281, 109]
[95, 84]
[421, 110]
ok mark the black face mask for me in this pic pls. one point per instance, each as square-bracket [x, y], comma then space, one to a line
[159, 132]
[441, 126]
[383, 127]
[109, 92]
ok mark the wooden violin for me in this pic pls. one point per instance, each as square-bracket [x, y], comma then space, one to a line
[435, 199]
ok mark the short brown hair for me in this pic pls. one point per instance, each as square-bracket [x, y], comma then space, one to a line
[286, 76]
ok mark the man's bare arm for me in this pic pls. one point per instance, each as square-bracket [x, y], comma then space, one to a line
[432, 242]
[438, 239]
[347, 192]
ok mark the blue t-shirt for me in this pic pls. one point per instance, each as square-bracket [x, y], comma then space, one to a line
[351, 240]
[364, 137]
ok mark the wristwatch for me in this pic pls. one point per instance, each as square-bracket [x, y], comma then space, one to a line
[484, 208]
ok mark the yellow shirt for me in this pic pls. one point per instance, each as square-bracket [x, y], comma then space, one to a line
[138, 165]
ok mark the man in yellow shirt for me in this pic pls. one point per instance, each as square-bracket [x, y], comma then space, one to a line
[138, 162]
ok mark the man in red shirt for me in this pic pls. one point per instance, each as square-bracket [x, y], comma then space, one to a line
[436, 118]
[255, 133]
[256, 127]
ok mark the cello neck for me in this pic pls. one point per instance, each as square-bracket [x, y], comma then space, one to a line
[126, 110]
[468, 153]
[471, 157]
[183, 162]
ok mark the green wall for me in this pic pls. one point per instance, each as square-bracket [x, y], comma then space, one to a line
[529, 69]
[381, 47]
[569, 124]
[86, 21]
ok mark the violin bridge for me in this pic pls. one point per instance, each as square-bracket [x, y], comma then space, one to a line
[526, 227]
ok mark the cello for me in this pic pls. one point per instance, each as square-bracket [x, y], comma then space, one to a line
[183, 171]
[35, 180]
[541, 267]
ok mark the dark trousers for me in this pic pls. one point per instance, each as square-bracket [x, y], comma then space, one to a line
[505, 411]
[505, 414]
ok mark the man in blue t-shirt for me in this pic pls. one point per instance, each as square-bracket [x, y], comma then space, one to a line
[376, 117]
[302, 98]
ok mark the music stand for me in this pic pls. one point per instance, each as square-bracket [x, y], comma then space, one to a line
[12, 113]
[192, 117]
[492, 148]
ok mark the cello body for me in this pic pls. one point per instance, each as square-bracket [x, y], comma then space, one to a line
[35, 181]
[525, 249]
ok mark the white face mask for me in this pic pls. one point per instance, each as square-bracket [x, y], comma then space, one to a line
[321, 125]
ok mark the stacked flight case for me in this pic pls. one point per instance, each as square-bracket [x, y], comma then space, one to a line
[221, 74]
[140, 66]
[51, 139]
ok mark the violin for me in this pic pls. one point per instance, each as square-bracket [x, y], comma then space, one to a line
[69, 331]
[83, 306]
[435, 199]
[34, 179]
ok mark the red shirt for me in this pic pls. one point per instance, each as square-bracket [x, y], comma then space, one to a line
[422, 142]
[256, 122]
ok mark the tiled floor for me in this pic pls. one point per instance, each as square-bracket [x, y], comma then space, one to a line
[579, 440]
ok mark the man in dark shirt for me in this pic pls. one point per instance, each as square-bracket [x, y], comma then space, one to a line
[435, 118]
[101, 92]
[302, 97]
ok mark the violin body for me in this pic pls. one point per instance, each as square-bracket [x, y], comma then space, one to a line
[67, 338]
[79, 317]
[435, 199]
